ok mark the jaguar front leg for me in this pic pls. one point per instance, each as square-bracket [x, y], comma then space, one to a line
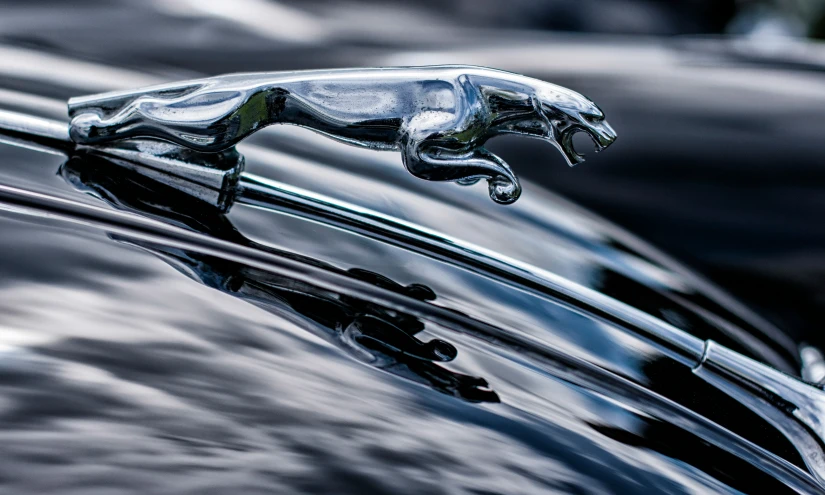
[436, 163]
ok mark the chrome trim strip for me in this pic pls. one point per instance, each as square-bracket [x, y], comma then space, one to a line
[19, 123]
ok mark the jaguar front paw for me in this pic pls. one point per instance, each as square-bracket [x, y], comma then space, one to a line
[465, 168]
[503, 190]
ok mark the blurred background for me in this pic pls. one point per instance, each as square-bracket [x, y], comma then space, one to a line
[719, 104]
[651, 17]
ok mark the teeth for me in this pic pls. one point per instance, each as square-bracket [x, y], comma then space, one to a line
[596, 144]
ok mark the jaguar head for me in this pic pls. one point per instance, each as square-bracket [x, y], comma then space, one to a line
[565, 113]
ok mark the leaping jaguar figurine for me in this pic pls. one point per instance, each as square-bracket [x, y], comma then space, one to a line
[439, 117]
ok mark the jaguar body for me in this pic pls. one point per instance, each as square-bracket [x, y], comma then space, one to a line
[438, 117]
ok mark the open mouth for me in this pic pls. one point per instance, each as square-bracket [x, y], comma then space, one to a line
[601, 134]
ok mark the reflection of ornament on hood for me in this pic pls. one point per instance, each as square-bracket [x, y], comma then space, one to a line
[382, 337]
[439, 117]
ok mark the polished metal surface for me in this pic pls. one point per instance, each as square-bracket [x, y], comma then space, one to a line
[438, 117]
[792, 406]
[27, 125]
[46, 134]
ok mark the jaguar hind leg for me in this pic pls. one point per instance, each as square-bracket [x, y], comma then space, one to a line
[463, 166]
[162, 114]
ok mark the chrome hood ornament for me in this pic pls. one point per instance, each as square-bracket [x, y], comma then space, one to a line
[439, 117]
